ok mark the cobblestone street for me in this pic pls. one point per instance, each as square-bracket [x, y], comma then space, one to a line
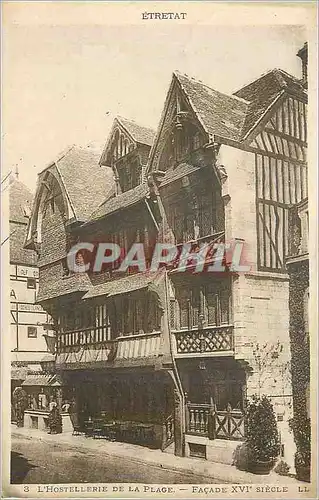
[38, 457]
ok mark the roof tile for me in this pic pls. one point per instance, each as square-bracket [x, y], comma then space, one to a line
[20, 201]
[86, 182]
[219, 113]
[233, 116]
[62, 286]
[263, 92]
[139, 133]
[123, 200]
[127, 284]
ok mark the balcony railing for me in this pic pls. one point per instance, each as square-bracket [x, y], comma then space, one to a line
[168, 431]
[92, 345]
[83, 336]
[204, 420]
[209, 340]
[198, 419]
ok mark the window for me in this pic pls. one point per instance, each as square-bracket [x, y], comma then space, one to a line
[195, 306]
[211, 306]
[194, 215]
[31, 283]
[211, 302]
[217, 298]
[184, 308]
[32, 332]
[134, 315]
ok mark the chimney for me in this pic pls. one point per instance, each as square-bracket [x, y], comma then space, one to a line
[303, 54]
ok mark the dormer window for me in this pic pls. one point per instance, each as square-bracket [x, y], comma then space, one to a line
[129, 173]
[120, 147]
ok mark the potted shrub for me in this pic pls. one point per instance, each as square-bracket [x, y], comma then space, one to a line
[55, 421]
[262, 438]
[302, 433]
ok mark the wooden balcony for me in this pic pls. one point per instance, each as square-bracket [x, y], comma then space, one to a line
[208, 341]
[203, 420]
[91, 346]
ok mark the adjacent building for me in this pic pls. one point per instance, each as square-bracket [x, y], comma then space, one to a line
[173, 355]
[29, 322]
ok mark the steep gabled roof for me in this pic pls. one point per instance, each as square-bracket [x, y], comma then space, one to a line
[219, 113]
[85, 181]
[20, 200]
[139, 133]
[20, 204]
[123, 200]
[18, 254]
[263, 93]
[230, 117]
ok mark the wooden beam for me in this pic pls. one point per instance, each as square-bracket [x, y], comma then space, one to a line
[286, 136]
[270, 239]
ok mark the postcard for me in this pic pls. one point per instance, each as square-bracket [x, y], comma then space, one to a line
[159, 250]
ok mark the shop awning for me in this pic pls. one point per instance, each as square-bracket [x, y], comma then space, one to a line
[41, 380]
[120, 286]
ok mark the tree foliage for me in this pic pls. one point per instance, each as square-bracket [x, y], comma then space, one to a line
[261, 430]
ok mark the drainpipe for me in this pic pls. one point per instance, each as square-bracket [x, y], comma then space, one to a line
[176, 377]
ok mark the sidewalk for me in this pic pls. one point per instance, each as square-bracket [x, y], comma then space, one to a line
[218, 473]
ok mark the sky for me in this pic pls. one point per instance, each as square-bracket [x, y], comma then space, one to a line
[63, 84]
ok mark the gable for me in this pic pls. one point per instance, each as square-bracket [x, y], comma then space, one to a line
[177, 111]
[264, 95]
[119, 144]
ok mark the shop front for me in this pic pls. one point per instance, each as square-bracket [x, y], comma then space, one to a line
[126, 405]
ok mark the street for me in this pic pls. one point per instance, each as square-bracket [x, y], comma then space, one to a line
[35, 462]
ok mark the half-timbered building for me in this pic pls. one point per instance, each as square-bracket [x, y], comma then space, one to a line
[173, 355]
[29, 322]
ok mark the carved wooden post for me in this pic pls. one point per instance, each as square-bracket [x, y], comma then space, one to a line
[179, 417]
[228, 409]
[212, 422]
[201, 333]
